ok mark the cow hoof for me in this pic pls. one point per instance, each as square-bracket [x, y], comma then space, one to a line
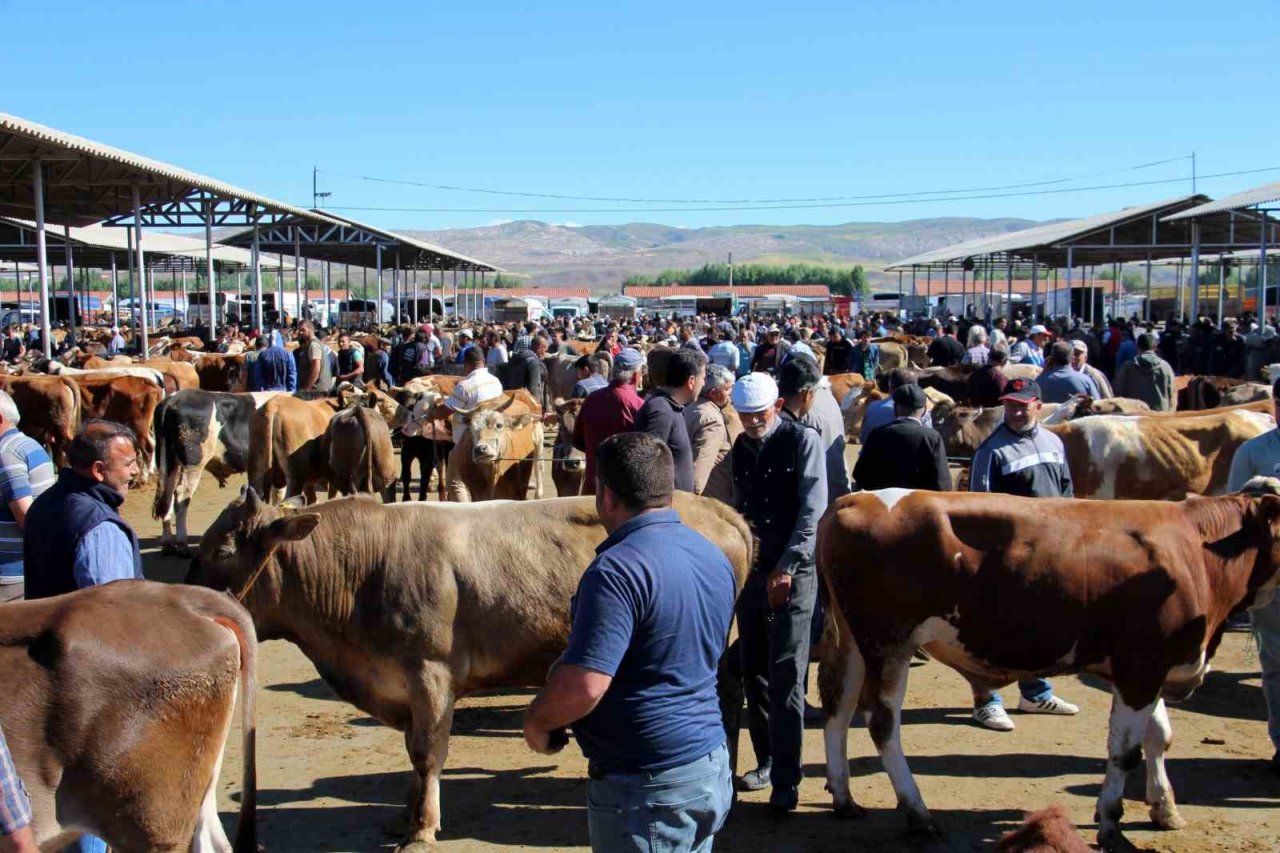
[1167, 817]
[1112, 841]
[849, 811]
[922, 828]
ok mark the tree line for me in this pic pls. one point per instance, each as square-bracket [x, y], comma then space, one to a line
[841, 282]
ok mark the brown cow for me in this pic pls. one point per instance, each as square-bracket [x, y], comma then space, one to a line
[498, 454]
[50, 409]
[116, 705]
[1132, 591]
[219, 372]
[285, 434]
[404, 608]
[843, 384]
[1195, 393]
[357, 444]
[129, 400]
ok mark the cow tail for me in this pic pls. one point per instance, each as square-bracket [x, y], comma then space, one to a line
[238, 622]
[166, 468]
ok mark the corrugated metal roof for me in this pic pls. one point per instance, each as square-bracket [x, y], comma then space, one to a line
[1028, 240]
[112, 239]
[414, 242]
[1248, 198]
[704, 290]
[938, 286]
[43, 136]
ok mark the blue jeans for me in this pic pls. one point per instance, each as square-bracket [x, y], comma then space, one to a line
[681, 808]
[1032, 689]
[1266, 620]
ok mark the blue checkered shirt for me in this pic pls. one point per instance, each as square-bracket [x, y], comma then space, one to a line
[15, 808]
[523, 342]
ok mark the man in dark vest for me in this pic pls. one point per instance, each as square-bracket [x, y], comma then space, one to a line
[75, 536]
[780, 485]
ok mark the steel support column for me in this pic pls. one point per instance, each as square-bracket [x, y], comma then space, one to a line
[1146, 304]
[377, 314]
[1222, 287]
[257, 279]
[1195, 271]
[42, 259]
[210, 273]
[141, 266]
[297, 269]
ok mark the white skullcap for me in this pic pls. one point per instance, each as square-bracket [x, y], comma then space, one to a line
[754, 392]
[801, 348]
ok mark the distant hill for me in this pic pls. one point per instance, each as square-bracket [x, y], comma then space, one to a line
[601, 256]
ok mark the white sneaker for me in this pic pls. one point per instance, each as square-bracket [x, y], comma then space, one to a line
[1052, 705]
[993, 716]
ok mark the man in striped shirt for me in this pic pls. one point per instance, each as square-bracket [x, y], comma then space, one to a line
[15, 808]
[25, 472]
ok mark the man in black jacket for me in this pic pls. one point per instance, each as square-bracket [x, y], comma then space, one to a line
[662, 415]
[839, 358]
[947, 349]
[904, 454]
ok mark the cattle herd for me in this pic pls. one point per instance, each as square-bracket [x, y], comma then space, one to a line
[405, 607]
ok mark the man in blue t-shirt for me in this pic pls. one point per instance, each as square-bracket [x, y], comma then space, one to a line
[638, 680]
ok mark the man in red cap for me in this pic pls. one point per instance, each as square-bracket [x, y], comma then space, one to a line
[1020, 458]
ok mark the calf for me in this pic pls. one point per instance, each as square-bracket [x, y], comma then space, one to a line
[1135, 592]
[568, 463]
[361, 459]
[496, 456]
[404, 608]
[197, 431]
[116, 703]
[50, 409]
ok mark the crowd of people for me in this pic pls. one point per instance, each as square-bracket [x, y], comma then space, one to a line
[744, 413]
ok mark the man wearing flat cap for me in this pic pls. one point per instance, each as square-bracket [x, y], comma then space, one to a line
[904, 454]
[1021, 458]
[780, 485]
[609, 410]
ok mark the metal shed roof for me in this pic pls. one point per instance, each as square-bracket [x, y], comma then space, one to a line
[87, 182]
[1248, 198]
[94, 246]
[340, 240]
[1049, 241]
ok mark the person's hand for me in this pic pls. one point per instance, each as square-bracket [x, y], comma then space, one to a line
[541, 742]
[778, 588]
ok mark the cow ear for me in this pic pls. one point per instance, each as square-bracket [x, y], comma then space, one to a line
[293, 528]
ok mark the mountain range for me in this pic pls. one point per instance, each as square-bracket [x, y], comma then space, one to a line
[600, 257]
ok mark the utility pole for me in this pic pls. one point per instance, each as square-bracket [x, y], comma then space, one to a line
[731, 269]
[316, 195]
[1193, 173]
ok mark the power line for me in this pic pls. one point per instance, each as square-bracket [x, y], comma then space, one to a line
[819, 199]
[877, 203]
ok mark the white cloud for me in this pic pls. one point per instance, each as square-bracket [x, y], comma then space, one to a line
[568, 224]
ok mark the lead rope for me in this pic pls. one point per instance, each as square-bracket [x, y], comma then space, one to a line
[257, 573]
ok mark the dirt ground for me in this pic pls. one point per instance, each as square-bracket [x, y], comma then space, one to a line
[332, 779]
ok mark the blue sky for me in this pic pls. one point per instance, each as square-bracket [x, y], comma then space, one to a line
[688, 100]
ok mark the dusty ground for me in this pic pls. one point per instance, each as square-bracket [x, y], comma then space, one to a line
[332, 779]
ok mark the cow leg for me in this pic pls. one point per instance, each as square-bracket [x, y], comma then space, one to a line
[427, 738]
[1128, 727]
[407, 455]
[209, 835]
[841, 672]
[187, 486]
[887, 678]
[1164, 810]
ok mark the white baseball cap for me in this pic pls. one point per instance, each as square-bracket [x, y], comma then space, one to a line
[754, 392]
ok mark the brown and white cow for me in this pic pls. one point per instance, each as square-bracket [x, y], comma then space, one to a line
[220, 372]
[116, 702]
[285, 436]
[1133, 591]
[403, 608]
[129, 400]
[1156, 457]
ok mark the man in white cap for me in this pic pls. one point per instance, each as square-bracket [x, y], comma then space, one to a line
[780, 486]
[1030, 350]
[1080, 364]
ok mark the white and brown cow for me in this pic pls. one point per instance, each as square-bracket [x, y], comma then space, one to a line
[499, 452]
[1133, 591]
[116, 702]
[568, 463]
[403, 608]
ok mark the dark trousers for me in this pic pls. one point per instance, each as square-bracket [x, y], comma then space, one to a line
[774, 645]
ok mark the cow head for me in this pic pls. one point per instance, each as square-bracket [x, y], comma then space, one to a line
[242, 538]
[566, 455]
[491, 432]
[421, 411]
[1265, 512]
